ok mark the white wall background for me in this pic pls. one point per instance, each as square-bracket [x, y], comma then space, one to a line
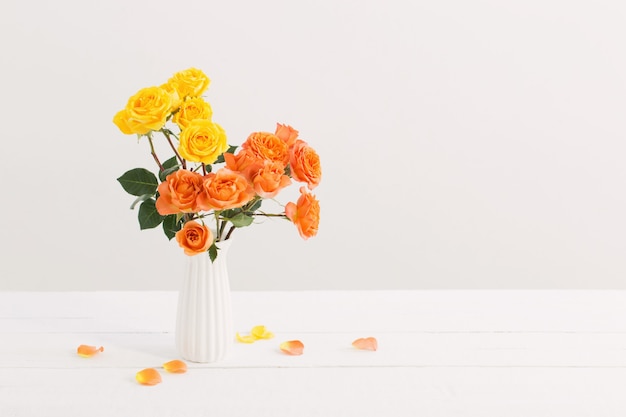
[464, 144]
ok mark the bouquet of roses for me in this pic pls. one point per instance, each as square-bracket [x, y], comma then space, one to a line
[206, 181]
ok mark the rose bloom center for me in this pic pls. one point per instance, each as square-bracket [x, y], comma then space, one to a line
[193, 237]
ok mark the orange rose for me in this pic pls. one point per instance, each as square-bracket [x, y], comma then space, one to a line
[226, 189]
[181, 192]
[194, 238]
[243, 162]
[270, 179]
[265, 145]
[305, 214]
[305, 164]
[286, 133]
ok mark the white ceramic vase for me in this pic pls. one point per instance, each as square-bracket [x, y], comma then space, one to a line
[204, 327]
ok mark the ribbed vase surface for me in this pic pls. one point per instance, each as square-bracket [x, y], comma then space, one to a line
[204, 327]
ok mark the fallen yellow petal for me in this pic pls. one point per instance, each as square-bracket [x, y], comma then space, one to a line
[366, 343]
[148, 376]
[246, 339]
[260, 332]
[87, 351]
[292, 347]
[176, 366]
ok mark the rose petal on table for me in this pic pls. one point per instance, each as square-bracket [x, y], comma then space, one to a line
[87, 351]
[176, 366]
[261, 332]
[148, 376]
[292, 347]
[366, 343]
[245, 339]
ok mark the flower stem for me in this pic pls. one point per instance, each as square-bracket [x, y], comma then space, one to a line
[217, 226]
[230, 232]
[270, 215]
[221, 230]
[166, 133]
[154, 155]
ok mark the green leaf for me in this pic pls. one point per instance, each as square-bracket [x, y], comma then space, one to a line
[169, 166]
[170, 163]
[139, 181]
[171, 225]
[230, 213]
[241, 220]
[255, 206]
[213, 252]
[148, 216]
[220, 159]
[140, 199]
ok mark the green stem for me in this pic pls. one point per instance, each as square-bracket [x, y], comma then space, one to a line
[217, 226]
[166, 133]
[154, 155]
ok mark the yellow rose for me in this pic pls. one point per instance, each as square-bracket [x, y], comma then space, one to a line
[191, 82]
[192, 108]
[176, 100]
[121, 121]
[202, 141]
[145, 111]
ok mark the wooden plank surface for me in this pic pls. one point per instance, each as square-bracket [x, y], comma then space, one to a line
[441, 353]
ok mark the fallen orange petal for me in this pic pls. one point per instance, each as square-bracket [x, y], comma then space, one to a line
[87, 351]
[292, 347]
[245, 339]
[148, 376]
[176, 366]
[260, 332]
[366, 343]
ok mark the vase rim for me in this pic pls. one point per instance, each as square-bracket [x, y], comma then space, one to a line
[223, 243]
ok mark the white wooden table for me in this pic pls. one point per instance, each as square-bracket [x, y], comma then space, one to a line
[441, 353]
